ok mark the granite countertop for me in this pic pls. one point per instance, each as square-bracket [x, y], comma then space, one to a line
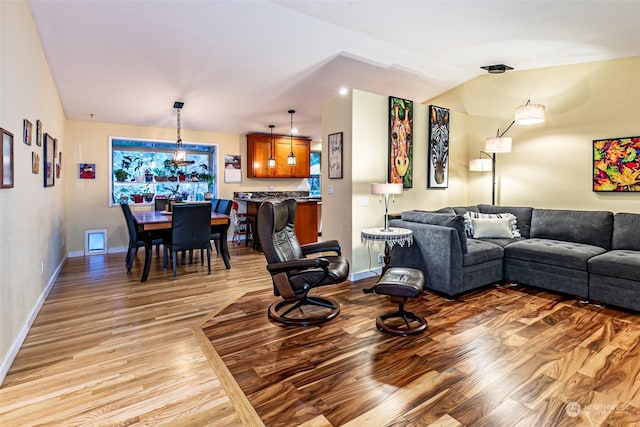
[259, 197]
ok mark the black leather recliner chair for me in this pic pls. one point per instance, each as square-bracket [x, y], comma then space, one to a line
[293, 274]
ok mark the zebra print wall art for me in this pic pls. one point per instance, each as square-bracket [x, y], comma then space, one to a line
[400, 141]
[438, 160]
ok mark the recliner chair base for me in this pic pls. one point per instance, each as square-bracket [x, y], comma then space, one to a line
[304, 312]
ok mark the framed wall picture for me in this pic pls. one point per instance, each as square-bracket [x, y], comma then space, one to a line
[616, 164]
[59, 163]
[49, 160]
[38, 133]
[35, 162]
[27, 132]
[400, 141]
[335, 155]
[6, 163]
[232, 168]
[87, 171]
[438, 154]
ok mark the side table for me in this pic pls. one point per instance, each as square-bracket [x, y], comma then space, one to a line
[392, 236]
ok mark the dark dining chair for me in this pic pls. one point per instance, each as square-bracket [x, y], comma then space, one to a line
[292, 273]
[190, 229]
[136, 239]
[161, 204]
[223, 206]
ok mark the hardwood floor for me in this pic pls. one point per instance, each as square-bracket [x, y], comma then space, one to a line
[109, 350]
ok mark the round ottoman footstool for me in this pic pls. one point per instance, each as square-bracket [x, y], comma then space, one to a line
[400, 283]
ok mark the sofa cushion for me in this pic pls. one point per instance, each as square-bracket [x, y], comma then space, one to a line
[626, 231]
[447, 210]
[470, 215]
[460, 210]
[492, 228]
[553, 252]
[445, 220]
[480, 252]
[622, 263]
[587, 227]
[522, 213]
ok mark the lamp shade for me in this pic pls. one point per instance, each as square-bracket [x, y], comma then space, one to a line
[530, 114]
[498, 144]
[480, 165]
[386, 188]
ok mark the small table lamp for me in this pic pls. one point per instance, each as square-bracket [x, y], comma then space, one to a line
[386, 189]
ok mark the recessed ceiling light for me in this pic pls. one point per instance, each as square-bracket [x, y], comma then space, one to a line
[343, 91]
[496, 69]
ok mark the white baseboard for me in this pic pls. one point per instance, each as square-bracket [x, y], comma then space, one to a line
[365, 274]
[17, 343]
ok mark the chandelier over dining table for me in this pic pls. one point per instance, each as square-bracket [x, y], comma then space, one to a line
[179, 155]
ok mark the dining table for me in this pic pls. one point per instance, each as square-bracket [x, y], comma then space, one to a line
[150, 221]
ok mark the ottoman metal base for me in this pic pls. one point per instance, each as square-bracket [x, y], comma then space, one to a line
[400, 284]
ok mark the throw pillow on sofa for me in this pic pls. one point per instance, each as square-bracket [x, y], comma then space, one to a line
[469, 215]
[497, 228]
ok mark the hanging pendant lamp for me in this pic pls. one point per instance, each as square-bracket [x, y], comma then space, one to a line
[180, 155]
[291, 160]
[271, 163]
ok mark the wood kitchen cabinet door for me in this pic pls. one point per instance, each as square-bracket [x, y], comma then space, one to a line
[258, 152]
[259, 149]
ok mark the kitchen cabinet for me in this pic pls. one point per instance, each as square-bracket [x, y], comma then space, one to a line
[260, 147]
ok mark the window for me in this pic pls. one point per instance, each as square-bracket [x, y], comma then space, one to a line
[315, 174]
[141, 171]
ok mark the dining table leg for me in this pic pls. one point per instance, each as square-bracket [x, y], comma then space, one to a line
[148, 252]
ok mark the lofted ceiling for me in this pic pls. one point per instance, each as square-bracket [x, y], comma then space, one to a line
[240, 65]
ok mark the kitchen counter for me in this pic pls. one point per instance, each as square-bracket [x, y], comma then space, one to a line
[307, 213]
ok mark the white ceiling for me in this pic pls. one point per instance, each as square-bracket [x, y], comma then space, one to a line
[240, 65]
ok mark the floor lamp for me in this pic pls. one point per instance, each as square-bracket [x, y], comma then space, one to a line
[528, 114]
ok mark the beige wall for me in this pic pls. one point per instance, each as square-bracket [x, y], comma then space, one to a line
[369, 146]
[32, 218]
[336, 207]
[551, 163]
[87, 201]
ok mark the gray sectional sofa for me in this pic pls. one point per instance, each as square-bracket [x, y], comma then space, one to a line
[594, 255]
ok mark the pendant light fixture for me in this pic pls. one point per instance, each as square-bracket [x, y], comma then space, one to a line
[271, 163]
[180, 155]
[291, 160]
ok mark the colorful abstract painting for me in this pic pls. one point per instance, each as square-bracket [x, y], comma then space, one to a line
[616, 164]
[401, 141]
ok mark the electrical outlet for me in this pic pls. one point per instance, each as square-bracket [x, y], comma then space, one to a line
[380, 259]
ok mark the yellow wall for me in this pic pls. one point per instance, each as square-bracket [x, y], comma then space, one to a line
[369, 147]
[549, 167]
[32, 218]
[87, 201]
[551, 163]
[336, 206]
